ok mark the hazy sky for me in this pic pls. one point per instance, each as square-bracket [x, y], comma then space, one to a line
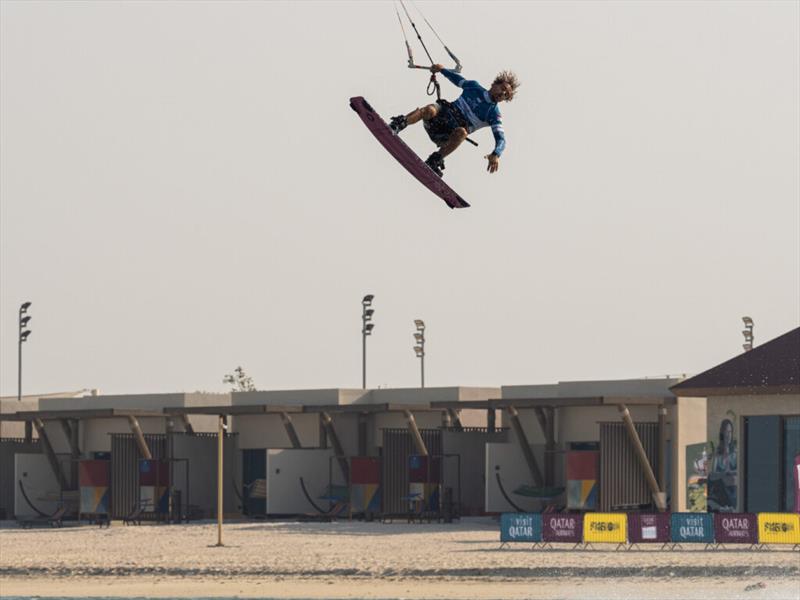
[185, 189]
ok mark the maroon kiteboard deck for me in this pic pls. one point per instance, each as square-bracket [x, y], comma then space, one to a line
[405, 155]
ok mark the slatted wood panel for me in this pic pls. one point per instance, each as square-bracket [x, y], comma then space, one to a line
[125, 469]
[397, 448]
[622, 481]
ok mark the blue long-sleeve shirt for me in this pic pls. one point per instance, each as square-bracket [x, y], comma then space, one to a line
[477, 106]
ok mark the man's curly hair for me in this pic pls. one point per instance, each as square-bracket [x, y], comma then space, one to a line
[510, 78]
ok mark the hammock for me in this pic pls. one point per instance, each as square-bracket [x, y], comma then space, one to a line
[530, 491]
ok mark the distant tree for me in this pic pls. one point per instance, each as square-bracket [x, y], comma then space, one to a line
[240, 381]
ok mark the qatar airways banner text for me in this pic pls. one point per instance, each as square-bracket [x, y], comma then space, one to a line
[562, 528]
[735, 528]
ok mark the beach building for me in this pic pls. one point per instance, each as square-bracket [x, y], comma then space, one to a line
[300, 449]
[88, 453]
[19, 436]
[742, 450]
[583, 445]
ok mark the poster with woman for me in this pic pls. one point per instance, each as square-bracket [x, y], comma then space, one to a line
[722, 477]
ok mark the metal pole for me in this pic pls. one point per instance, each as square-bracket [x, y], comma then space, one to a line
[19, 362]
[422, 366]
[364, 356]
[220, 434]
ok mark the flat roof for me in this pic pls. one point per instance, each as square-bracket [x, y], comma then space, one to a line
[371, 408]
[85, 413]
[557, 402]
[233, 409]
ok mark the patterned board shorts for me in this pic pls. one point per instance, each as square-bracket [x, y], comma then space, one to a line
[442, 125]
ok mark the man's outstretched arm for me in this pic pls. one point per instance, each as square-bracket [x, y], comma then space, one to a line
[450, 75]
[499, 146]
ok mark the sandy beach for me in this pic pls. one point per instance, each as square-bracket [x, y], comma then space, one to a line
[368, 560]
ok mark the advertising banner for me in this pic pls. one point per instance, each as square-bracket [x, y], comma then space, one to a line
[778, 528]
[365, 479]
[154, 485]
[648, 528]
[605, 528]
[562, 528]
[735, 528]
[583, 468]
[692, 528]
[94, 481]
[521, 527]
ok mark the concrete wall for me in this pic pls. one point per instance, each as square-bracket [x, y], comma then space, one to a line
[134, 401]
[577, 424]
[689, 427]
[397, 420]
[40, 484]
[508, 460]
[96, 433]
[470, 446]
[333, 396]
[284, 469]
[9, 406]
[201, 452]
[346, 426]
[425, 395]
[267, 431]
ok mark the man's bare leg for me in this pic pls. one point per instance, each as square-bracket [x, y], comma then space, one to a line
[426, 113]
[454, 141]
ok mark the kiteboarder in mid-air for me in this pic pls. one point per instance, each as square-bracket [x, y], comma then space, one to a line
[449, 123]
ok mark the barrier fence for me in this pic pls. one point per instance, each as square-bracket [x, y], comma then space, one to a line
[668, 529]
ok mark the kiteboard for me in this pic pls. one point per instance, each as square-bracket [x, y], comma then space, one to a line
[405, 155]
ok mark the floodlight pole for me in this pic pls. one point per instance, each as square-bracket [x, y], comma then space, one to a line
[419, 338]
[366, 329]
[23, 336]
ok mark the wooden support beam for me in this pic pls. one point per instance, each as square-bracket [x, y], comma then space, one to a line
[50, 453]
[139, 437]
[323, 432]
[455, 418]
[290, 430]
[527, 452]
[70, 427]
[187, 426]
[658, 497]
[416, 436]
[546, 418]
[662, 448]
[337, 445]
[550, 447]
